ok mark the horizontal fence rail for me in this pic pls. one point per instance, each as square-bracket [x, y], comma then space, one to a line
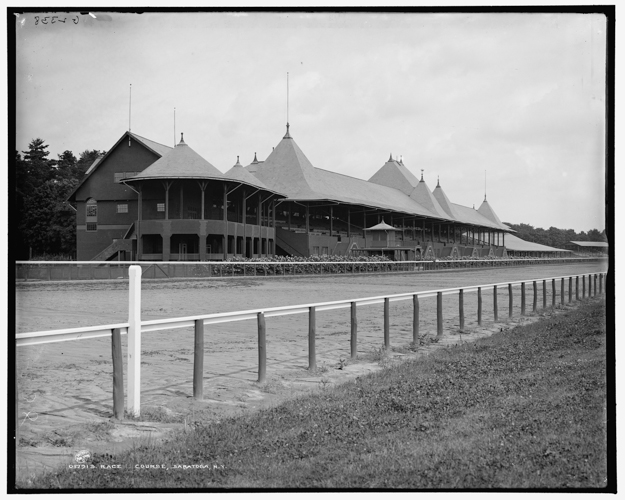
[135, 326]
[115, 270]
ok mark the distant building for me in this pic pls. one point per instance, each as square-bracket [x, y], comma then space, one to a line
[588, 246]
[147, 201]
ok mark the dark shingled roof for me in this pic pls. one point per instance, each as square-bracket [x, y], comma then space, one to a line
[180, 163]
[396, 175]
[487, 211]
[287, 170]
[422, 195]
[239, 174]
[445, 204]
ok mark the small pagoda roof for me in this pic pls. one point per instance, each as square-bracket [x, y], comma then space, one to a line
[382, 226]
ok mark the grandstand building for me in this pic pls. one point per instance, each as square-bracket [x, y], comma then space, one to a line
[147, 201]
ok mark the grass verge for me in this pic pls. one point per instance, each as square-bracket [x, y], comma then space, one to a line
[525, 408]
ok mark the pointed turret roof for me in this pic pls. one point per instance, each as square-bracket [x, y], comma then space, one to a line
[422, 195]
[444, 202]
[394, 174]
[287, 170]
[180, 163]
[252, 168]
[238, 173]
[487, 211]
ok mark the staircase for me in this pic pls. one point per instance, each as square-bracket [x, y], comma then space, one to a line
[112, 250]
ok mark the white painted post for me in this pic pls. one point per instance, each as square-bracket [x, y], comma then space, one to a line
[134, 340]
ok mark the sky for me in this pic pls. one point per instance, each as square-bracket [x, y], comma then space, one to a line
[508, 104]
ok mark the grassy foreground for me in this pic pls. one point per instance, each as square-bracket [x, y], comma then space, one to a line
[524, 408]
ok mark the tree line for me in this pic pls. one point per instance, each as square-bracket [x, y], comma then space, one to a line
[554, 237]
[44, 224]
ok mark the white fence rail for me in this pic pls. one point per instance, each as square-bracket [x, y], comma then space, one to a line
[135, 327]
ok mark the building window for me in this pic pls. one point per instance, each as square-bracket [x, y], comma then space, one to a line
[315, 250]
[92, 226]
[324, 250]
[160, 207]
[92, 210]
[122, 208]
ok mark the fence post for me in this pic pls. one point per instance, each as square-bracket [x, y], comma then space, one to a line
[312, 330]
[576, 287]
[535, 287]
[495, 302]
[595, 285]
[439, 315]
[198, 360]
[600, 283]
[387, 340]
[570, 289]
[523, 299]
[479, 306]
[134, 341]
[590, 286]
[415, 319]
[553, 293]
[544, 294]
[118, 374]
[353, 342]
[509, 300]
[461, 308]
[562, 291]
[262, 349]
[583, 287]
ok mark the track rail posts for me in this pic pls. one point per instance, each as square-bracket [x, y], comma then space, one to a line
[523, 299]
[387, 338]
[262, 349]
[198, 361]
[461, 309]
[510, 301]
[118, 374]
[589, 286]
[583, 287]
[134, 340]
[577, 288]
[415, 319]
[570, 289]
[534, 302]
[544, 294]
[312, 333]
[601, 283]
[353, 341]
[439, 315]
[479, 306]
[495, 311]
[595, 285]
[562, 291]
[553, 293]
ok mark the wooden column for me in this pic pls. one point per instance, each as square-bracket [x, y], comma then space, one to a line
[225, 220]
[354, 332]
[387, 339]
[331, 222]
[312, 328]
[461, 308]
[307, 220]
[198, 361]
[349, 222]
[479, 306]
[181, 202]
[118, 375]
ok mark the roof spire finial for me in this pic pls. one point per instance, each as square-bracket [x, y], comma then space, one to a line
[438, 181]
[390, 158]
[181, 138]
[484, 185]
[287, 135]
[237, 158]
[421, 175]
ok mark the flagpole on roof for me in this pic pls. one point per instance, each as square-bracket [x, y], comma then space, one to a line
[129, 114]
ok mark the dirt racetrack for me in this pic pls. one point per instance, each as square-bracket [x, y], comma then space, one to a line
[65, 389]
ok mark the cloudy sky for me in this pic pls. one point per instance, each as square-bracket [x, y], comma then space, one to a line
[518, 96]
